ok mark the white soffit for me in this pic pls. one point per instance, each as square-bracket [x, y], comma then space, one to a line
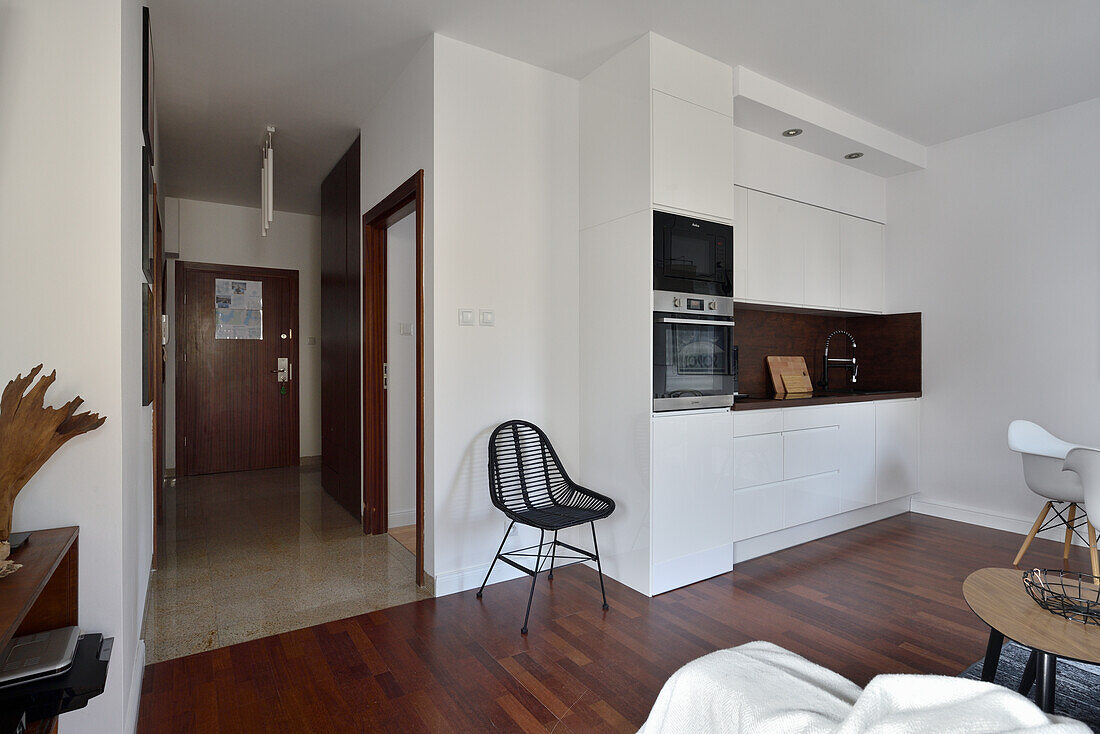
[768, 108]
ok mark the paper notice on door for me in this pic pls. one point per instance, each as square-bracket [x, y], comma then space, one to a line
[238, 309]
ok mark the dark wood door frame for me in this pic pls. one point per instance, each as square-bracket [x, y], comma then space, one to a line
[404, 200]
[183, 464]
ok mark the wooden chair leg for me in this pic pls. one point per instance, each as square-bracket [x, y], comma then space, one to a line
[1069, 534]
[1031, 535]
[1093, 554]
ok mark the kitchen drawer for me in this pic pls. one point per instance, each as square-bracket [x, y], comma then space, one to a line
[757, 510]
[817, 416]
[757, 460]
[812, 451]
[810, 498]
[753, 422]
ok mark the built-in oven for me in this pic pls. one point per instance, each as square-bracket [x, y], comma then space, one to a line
[692, 256]
[694, 357]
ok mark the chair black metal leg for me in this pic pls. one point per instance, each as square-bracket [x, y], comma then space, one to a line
[553, 555]
[599, 568]
[992, 655]
[1027, 680]
[534, 578]
[495, 558]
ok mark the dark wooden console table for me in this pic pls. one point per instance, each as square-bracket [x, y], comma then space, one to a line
[42, 595]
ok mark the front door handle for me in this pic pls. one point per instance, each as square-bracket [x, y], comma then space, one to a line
[282, 369]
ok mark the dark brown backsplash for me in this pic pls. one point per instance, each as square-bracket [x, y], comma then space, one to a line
[888, 347]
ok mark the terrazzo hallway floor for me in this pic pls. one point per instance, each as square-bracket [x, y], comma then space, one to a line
[250, 554]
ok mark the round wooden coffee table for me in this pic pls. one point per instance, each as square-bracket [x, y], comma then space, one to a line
[998, 597]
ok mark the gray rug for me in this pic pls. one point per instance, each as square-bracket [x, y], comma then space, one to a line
[1077, 689]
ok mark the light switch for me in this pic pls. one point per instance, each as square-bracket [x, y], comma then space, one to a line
[465, 317]
[405, 329]
[487, 317]
[311, 341]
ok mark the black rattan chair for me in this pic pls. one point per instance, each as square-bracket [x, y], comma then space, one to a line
[528, 484]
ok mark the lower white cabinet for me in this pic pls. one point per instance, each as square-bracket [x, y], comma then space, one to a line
[897, 444]
[857, 456]
[813, 462]
[692, 536]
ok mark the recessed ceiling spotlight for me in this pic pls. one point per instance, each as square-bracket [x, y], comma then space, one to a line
[792, 132]
[853, 156]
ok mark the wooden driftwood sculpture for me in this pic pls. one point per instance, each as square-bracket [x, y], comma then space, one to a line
[30, 433]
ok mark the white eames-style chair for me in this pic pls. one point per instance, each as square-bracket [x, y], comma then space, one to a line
[1085, 463]
[1044, 456]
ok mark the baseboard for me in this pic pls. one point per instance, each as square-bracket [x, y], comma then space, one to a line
[309, 461]
[455, 582]
[689, 569]
[401, 519]
[762, 545]
[986, 519]
[133, 708]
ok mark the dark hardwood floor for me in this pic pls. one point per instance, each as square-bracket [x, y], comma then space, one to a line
[884, 598]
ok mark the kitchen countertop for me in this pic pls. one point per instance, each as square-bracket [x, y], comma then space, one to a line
[822, 398]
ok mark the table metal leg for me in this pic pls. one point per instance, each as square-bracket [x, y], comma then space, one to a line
[1028, 678]
[1044, 693]
[992, 655]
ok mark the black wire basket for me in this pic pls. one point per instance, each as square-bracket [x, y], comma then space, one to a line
[1075, 596]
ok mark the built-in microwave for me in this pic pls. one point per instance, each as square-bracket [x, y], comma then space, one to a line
[692, 256]
[694, 357]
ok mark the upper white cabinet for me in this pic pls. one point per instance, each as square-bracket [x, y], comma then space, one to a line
[795, 254]
[861, 265]
[692, 158]
[692, 498]
[897, 444]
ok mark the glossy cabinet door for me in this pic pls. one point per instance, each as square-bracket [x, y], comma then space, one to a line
[757, 460]
[861, 265]
[821, 229]
[811, 451]
[692, 158]
[897, 447]
[857, 456]
[692, 534]
[772, 235]
[757, 510]
[810, 498]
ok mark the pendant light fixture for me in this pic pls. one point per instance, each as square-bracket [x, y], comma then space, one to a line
[267, 182]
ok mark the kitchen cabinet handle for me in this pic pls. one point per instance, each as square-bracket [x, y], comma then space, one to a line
[696, 322]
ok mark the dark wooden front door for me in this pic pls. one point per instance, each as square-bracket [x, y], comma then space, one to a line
[232, 412]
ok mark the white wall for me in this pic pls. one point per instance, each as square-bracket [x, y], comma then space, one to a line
[397, 141]
[401, 357]
[230, 235]
[509, 244]
[70, 276]
[998, 244]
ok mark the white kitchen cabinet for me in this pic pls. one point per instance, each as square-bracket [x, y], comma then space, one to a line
[857, 456]
[757, 510]
[821, 243]
[771, 233]
[791, 253]
[812, 451]
[754, 422]
[897, 446]
[757, 460]
[861, 264]
[692, 534]
[692, 158]
[810, 498]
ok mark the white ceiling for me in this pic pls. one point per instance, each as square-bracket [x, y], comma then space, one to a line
[930, 70]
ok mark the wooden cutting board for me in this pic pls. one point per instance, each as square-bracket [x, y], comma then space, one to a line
[793, 366]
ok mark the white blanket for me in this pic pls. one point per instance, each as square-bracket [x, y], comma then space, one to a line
[763, 689]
